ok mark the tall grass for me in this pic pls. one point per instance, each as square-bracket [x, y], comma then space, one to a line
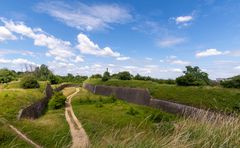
[190, 132]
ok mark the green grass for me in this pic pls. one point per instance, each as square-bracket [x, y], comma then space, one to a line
[214, 98]
[111, 125]
[108, 122]
[50, 130]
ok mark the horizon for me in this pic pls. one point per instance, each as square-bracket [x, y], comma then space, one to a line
[156, 38]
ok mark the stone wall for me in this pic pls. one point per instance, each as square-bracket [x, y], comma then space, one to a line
[142, 97]
[36, 109]
[133, 95]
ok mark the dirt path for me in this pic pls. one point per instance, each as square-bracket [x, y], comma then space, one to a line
[79, 136]
[24, 137]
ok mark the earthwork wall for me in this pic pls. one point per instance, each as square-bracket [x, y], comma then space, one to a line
[143, 97]
[36, 109]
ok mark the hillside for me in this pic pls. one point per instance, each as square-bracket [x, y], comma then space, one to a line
[206, 97]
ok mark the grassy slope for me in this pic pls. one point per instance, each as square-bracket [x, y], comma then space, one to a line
[215, 98]
[110, 124]
[11, 101]
[50, 130]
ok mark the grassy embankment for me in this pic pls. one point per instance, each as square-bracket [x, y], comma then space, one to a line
[50, 130]
[114, 123]
[213, 98]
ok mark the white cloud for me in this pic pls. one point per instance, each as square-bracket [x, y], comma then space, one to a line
[237, 67]
[86, 17]
[183, 19]
[86, 46]
[210, 52]
[78, 59]
[17, 61]
[176, 70]
[57, 48]
[180, 62]
[5, 34]
[15, 51]
[123, 58]
[148, 59]
[168, 42]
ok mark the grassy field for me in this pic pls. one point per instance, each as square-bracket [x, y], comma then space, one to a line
[50, 130]
[114, 123]
[214, 98]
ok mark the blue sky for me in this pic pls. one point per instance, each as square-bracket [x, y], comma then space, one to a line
[157, 38]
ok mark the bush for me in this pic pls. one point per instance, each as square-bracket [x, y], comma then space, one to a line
[29, 81]
[57, 101]
[193, 77]
[106, 76]
[54, 79]
[7, 75]
[233, 82]
[125, 75]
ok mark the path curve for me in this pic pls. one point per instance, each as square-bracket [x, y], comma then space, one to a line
[79, 136]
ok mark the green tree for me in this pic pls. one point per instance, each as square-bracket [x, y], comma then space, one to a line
[125, 75]
[43, 73]
[193, 76]
[106, 76]
[233, 82]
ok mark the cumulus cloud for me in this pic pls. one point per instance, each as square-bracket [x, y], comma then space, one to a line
[15, 51]
[17, 61]
[86, 46]
[78, 59]
[168, 42]
[57, 48]
[5, 34]
[180, 62]
[123, 58]
[86, 17]
[183, 19]
[210, 52]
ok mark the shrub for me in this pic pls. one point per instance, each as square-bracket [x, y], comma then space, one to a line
[7, 75]
[95, 76]
[132, 111]
[233, 82]
[125, 75]
[57, 101]
[29, 81]
[54, 79]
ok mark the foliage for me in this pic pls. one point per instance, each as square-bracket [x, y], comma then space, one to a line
[125, 75]
[132, 111]
[106, 76]
[57, 101]
[148, 78]
[95, 76]
[43, 73]
[29, 81]
[233, 82]
[54, 79]
[7, 75]
[193, 77]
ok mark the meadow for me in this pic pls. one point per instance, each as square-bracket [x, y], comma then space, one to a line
[114, 123]
[50, 130]
[206, 97]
